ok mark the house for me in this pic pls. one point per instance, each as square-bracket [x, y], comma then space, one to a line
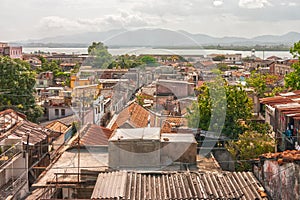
[279, 174]
[73, 174]
[24, 153]
[282, 112]
[132, 116]
[283, 67]
[57, 107]
[10, 51]
[61, 133]
[147, 148]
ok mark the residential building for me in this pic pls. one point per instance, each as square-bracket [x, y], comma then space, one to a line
[282, 112]
[24, 153]
[57, 107]
[10, 51]
[279, 174]
[147, 148]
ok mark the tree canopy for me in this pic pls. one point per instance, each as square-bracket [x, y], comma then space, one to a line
[17, 82]
[261, 83]
[99, 56]
[229, 102]
[292, 80]
[250, 145]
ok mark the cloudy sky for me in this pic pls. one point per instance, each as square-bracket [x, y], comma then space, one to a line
[31, 19]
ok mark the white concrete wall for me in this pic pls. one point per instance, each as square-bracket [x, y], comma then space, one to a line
[51, 112]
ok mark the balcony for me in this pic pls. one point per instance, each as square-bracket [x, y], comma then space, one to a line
[13, 186]
[10, 153]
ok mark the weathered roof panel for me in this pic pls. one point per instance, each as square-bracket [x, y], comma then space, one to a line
[177, 185]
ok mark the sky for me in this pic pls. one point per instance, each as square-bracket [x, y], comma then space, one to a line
[33, 19]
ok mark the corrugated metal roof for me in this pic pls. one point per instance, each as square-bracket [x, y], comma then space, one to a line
[96, 135]
[177, 185]
[57, 126]
[286, 103]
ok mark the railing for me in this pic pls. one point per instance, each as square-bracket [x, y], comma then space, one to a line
[10, 153]
[13, 186]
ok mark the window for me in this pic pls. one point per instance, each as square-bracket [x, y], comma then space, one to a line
[56, 112]
[63, 112]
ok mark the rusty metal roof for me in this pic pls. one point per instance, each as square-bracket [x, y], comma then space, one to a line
[14, 124]
[286, 103]
[178, 185]
[57, 126]
[96, 135]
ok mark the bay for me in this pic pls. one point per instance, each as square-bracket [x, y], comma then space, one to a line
[182, 52]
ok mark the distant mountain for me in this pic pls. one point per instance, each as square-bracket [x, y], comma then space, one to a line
[162, 38]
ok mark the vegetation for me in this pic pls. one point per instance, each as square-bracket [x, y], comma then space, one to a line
[54, 66]
[99, 56]
[250, 145]
[292, 80]
[17, 82]
[215, 100]
[223, 67]
[261, 83]
[219, 58]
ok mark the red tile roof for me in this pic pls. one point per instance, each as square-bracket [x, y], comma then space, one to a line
[286, 156]
[134, 114]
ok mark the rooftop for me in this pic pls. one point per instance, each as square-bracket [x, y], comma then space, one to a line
[286, 156]
[96, 135]
[90, 159]
[134, 114]
[177, 185]
[136, 134]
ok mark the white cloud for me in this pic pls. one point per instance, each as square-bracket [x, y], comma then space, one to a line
[123, 19]
[218, 3]
[251, 4]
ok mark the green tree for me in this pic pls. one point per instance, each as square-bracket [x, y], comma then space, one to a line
[234, 104]
[292, 80]
[99, 56]
[261, 83]
[219, 58]
[223, 66]
[17, 82]
[149, 60]
[250, 145]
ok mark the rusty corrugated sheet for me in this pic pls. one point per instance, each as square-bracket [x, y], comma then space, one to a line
[177, 185]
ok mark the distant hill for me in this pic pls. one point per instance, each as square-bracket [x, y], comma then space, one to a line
[161, 38]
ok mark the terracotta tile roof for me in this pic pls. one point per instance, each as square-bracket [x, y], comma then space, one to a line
[166, 128]
[96, 135]
[57, 126]
[286, 156]
[134, 114]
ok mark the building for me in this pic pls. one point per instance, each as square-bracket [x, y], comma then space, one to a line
[24, 153]
[57, 107]
[283, 67]
[147, 148]
[279, 174]
[282, 112]
[12, 52]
